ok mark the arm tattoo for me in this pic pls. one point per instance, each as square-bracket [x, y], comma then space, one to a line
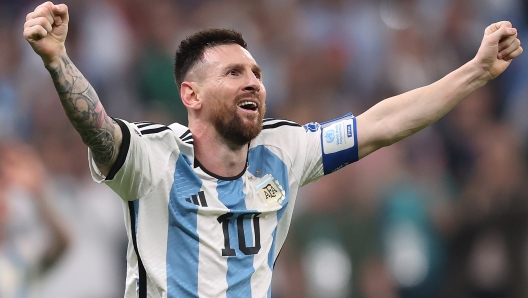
[85, 111]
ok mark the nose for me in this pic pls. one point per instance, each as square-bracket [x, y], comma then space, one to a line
[253, 83]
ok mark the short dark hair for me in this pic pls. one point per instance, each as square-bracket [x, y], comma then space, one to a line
[192, 48]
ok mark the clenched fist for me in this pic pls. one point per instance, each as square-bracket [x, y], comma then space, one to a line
[46, 29]
[499, 47]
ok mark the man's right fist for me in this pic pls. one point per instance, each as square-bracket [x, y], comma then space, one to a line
[46, 29]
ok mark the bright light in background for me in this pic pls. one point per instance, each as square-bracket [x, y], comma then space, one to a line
[394, 15]
[328, 269]
[407, 261]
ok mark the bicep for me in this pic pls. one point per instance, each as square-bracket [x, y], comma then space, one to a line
[369, 134]
[104, 142]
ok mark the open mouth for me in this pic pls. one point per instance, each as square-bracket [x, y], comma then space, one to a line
[248, 105]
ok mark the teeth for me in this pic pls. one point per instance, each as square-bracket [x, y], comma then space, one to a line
[246, 103]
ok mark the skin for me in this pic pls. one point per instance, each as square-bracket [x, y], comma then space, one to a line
[229, 74]
[46, 29]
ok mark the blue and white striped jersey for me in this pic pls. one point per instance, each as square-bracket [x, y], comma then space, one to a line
[195, 234]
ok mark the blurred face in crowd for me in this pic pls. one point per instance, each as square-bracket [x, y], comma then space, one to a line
[232, 92]
[3, 202]
[3, 206]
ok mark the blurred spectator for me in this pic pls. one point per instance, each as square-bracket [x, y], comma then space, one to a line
[11, 103]
[331, 243]
[95, 264]
[335, 246]
[106, 50]
[155, 61]
[33, 237]
[488, 248]
[412, 218]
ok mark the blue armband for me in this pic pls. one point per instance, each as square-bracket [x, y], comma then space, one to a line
[339, 143]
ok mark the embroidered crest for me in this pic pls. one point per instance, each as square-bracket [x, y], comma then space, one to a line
[269, 190]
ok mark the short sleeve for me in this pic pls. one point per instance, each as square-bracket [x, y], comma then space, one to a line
[313, 150]
[143, 158]
[328, 146]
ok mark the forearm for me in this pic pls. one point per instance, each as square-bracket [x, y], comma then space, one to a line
[410, 112]
[400, 116]
[86, 113]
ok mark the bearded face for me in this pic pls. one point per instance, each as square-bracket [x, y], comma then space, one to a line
[230, 124]
[231, 93]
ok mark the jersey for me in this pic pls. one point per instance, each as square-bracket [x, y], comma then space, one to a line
[195, 234]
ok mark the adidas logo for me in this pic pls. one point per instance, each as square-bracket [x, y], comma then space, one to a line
[198, 200]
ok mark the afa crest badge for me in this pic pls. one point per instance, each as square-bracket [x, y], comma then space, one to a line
[269, 190]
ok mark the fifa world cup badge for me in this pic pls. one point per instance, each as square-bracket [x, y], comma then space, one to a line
[269, 190]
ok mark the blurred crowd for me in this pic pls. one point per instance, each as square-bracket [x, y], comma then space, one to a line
[443, 213]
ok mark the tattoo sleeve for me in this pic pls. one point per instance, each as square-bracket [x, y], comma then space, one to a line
[86, 113]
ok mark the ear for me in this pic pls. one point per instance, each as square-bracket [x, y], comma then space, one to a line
[189, 96]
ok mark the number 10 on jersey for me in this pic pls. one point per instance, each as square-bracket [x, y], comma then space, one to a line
[225, 219]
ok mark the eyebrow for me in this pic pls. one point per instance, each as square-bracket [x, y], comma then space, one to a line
[254, 67]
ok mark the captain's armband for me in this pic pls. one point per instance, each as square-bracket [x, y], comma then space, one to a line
[338, 142]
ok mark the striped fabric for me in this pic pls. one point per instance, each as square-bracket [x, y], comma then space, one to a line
[195, 234]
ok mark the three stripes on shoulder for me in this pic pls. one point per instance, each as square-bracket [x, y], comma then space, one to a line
[146, 127]
[268, 123]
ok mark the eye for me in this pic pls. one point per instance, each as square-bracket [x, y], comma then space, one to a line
[257, 74]
[233, 72]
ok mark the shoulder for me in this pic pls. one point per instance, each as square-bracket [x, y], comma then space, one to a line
[272, 123]
[152, 134]
[273, 129]
[148, 128]
[278, 132]
[152, 129]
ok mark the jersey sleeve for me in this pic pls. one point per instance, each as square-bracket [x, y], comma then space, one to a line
[328, 147]
[143, 156]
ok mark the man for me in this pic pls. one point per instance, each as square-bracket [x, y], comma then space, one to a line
[27, 217]
[209, 206]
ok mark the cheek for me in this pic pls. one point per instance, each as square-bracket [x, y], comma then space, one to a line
[263, 97]
[262, 91]
[224, 91]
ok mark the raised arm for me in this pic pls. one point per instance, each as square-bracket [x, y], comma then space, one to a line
[400, 116]
[45, 30]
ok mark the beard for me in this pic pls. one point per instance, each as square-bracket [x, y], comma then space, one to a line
[230, 125]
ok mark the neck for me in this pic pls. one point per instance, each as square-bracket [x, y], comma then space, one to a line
[217, 155]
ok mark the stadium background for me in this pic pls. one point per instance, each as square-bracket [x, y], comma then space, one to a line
[443, 213]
